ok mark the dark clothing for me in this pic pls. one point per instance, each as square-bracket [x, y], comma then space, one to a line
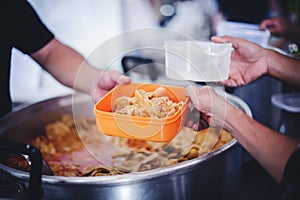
[291, 178]
[253, 11]
[20, 28]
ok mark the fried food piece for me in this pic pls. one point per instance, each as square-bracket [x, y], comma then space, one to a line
[147, 104]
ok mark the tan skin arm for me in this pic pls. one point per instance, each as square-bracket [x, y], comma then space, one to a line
[70, 68]
[249, 62]
[284, 68]
[269, 148]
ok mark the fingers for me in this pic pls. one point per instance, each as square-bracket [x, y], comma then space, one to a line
[124, 80]
[236, 42]
[224, 39]
[199, 117]
[235, 78]
[110, 79]
[265, 24]
[119, 78]
[219, 39]
[107, 81]
[197, 121]
[201, 98]
[230, 83]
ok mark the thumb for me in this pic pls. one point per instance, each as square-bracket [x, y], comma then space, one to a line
[119, 78]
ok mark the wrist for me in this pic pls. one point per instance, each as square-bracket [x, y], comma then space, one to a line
[270, 61]
[232, 119]
[94, 83]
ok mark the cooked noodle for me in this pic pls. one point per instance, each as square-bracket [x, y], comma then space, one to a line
[63, 149]
[146, 104]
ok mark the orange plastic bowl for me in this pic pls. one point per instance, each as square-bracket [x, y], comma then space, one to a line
[136, 127]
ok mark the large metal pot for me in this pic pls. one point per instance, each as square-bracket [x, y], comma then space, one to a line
[213, 176]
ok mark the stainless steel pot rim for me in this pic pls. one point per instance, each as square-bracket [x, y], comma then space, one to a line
[123, 178]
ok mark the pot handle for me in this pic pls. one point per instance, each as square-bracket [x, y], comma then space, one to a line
[35, 187]
[130, 62]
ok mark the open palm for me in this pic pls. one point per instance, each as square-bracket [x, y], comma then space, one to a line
[247, 61]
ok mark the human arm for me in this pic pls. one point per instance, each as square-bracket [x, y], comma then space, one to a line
[71, 69]
[250, 61]
[271, 149]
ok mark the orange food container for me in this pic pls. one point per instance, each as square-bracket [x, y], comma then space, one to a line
[136, 127]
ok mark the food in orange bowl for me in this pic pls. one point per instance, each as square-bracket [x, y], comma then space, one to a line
[143, 111]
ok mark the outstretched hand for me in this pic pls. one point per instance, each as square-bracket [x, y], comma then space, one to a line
[210, 108]
[247, 61]
[107, 81]
[277, 26]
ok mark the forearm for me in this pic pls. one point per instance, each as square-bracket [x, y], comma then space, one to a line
[284, 68]
[67, 66]
[269, 148]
